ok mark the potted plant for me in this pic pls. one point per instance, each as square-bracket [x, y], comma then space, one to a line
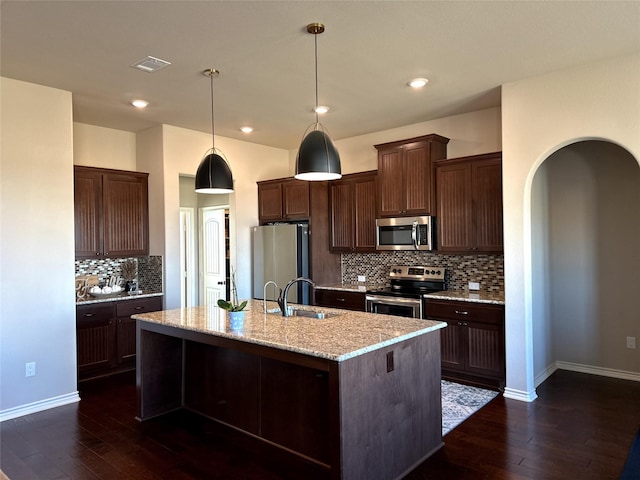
[235, 309]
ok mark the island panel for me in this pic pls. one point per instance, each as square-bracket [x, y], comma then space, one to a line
[368, 408]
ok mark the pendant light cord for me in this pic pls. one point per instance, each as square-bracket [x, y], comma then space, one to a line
[315, 42]
[213, 132]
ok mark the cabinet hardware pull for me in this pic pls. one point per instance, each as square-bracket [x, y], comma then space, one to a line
[462, 312]
[87, 315]
[339, 299]
[139, 307]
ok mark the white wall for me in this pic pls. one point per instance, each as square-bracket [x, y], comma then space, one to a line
[37, 312]
[182, 151]
[594, 266]
[470, 134]
[103, 147]
[539, 116]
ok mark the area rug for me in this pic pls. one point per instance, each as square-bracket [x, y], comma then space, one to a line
[632, 465]
[459, 402]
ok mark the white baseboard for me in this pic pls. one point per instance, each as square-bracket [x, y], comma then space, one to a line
[39, 406]
[604, 372]
[520, 395]
[546, 373]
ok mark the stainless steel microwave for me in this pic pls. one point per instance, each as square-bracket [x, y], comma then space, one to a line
[405, 233]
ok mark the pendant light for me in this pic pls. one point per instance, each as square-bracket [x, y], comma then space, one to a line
[317, 158]
[214, 174]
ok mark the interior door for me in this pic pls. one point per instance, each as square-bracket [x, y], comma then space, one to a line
[212, 256]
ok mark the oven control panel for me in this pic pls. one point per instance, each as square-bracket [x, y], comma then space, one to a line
[422, 273]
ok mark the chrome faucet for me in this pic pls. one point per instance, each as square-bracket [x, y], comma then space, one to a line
[282, 298]
[264, 293]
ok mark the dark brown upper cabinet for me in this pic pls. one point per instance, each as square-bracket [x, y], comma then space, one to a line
[352, 213]
[111, 213]
[405, 175]
[283, 200]
[469, 204]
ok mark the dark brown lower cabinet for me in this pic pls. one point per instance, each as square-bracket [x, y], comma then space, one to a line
[106, 335]
[95, 336]
[473, 344]
[340, 299]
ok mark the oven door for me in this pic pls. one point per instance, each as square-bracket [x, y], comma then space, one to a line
[398, 306]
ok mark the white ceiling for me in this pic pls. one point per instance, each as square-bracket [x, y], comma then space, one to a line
[467, 49]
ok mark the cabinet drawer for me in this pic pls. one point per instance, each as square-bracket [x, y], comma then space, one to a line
[340, 299]
[95, 312]
[452, 310]
[126, 308]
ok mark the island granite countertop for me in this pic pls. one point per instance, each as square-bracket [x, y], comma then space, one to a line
[335, 338]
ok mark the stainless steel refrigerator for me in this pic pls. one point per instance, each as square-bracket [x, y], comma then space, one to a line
[280, 254]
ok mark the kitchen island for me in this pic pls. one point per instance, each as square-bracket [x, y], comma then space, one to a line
[356, 393]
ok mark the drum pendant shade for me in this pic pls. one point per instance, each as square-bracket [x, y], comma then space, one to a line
[214, 174]
[317, 158]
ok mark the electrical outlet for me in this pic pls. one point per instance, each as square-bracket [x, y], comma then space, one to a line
[474, 286]
[390, 366]
[631, 342]
[362, 278]
[30, 369]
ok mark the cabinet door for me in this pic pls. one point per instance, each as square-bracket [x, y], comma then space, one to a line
[364, 223]
[295, 199]
[487, 195]
[340, 299]
[391, 182]
[452, 346]
[126, 214]
[87, 212]
[454, 208]
[269, 202]
[95, 337]
[341, 216]
[485, 349]
[126, 326]
[418, 179]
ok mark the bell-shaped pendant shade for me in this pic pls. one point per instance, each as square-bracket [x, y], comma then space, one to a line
[214, 175]
[318, 158]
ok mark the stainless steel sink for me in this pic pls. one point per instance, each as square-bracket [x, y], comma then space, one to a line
[319, 314]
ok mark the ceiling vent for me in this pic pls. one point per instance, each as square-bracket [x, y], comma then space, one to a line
[150, 64]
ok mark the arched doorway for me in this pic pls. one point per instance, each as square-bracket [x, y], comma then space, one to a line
[585, 262]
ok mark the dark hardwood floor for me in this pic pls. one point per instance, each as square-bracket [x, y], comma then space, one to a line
[580, 427]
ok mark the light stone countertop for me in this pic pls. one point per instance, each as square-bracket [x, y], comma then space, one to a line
[496, 298]
[336, 338]
[348, 287]
[114, 298]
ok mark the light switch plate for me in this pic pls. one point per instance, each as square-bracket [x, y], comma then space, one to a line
[362, 278]
[474, 286]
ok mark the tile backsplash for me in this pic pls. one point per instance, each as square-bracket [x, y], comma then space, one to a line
[149, 270]
[488, 270]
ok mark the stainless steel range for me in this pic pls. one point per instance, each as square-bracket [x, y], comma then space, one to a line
[407, 285]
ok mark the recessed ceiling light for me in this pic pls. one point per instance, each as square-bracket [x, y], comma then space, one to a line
[320, 109]
[150, 64]
[246, 129]
[139, 103]
[418, 82]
